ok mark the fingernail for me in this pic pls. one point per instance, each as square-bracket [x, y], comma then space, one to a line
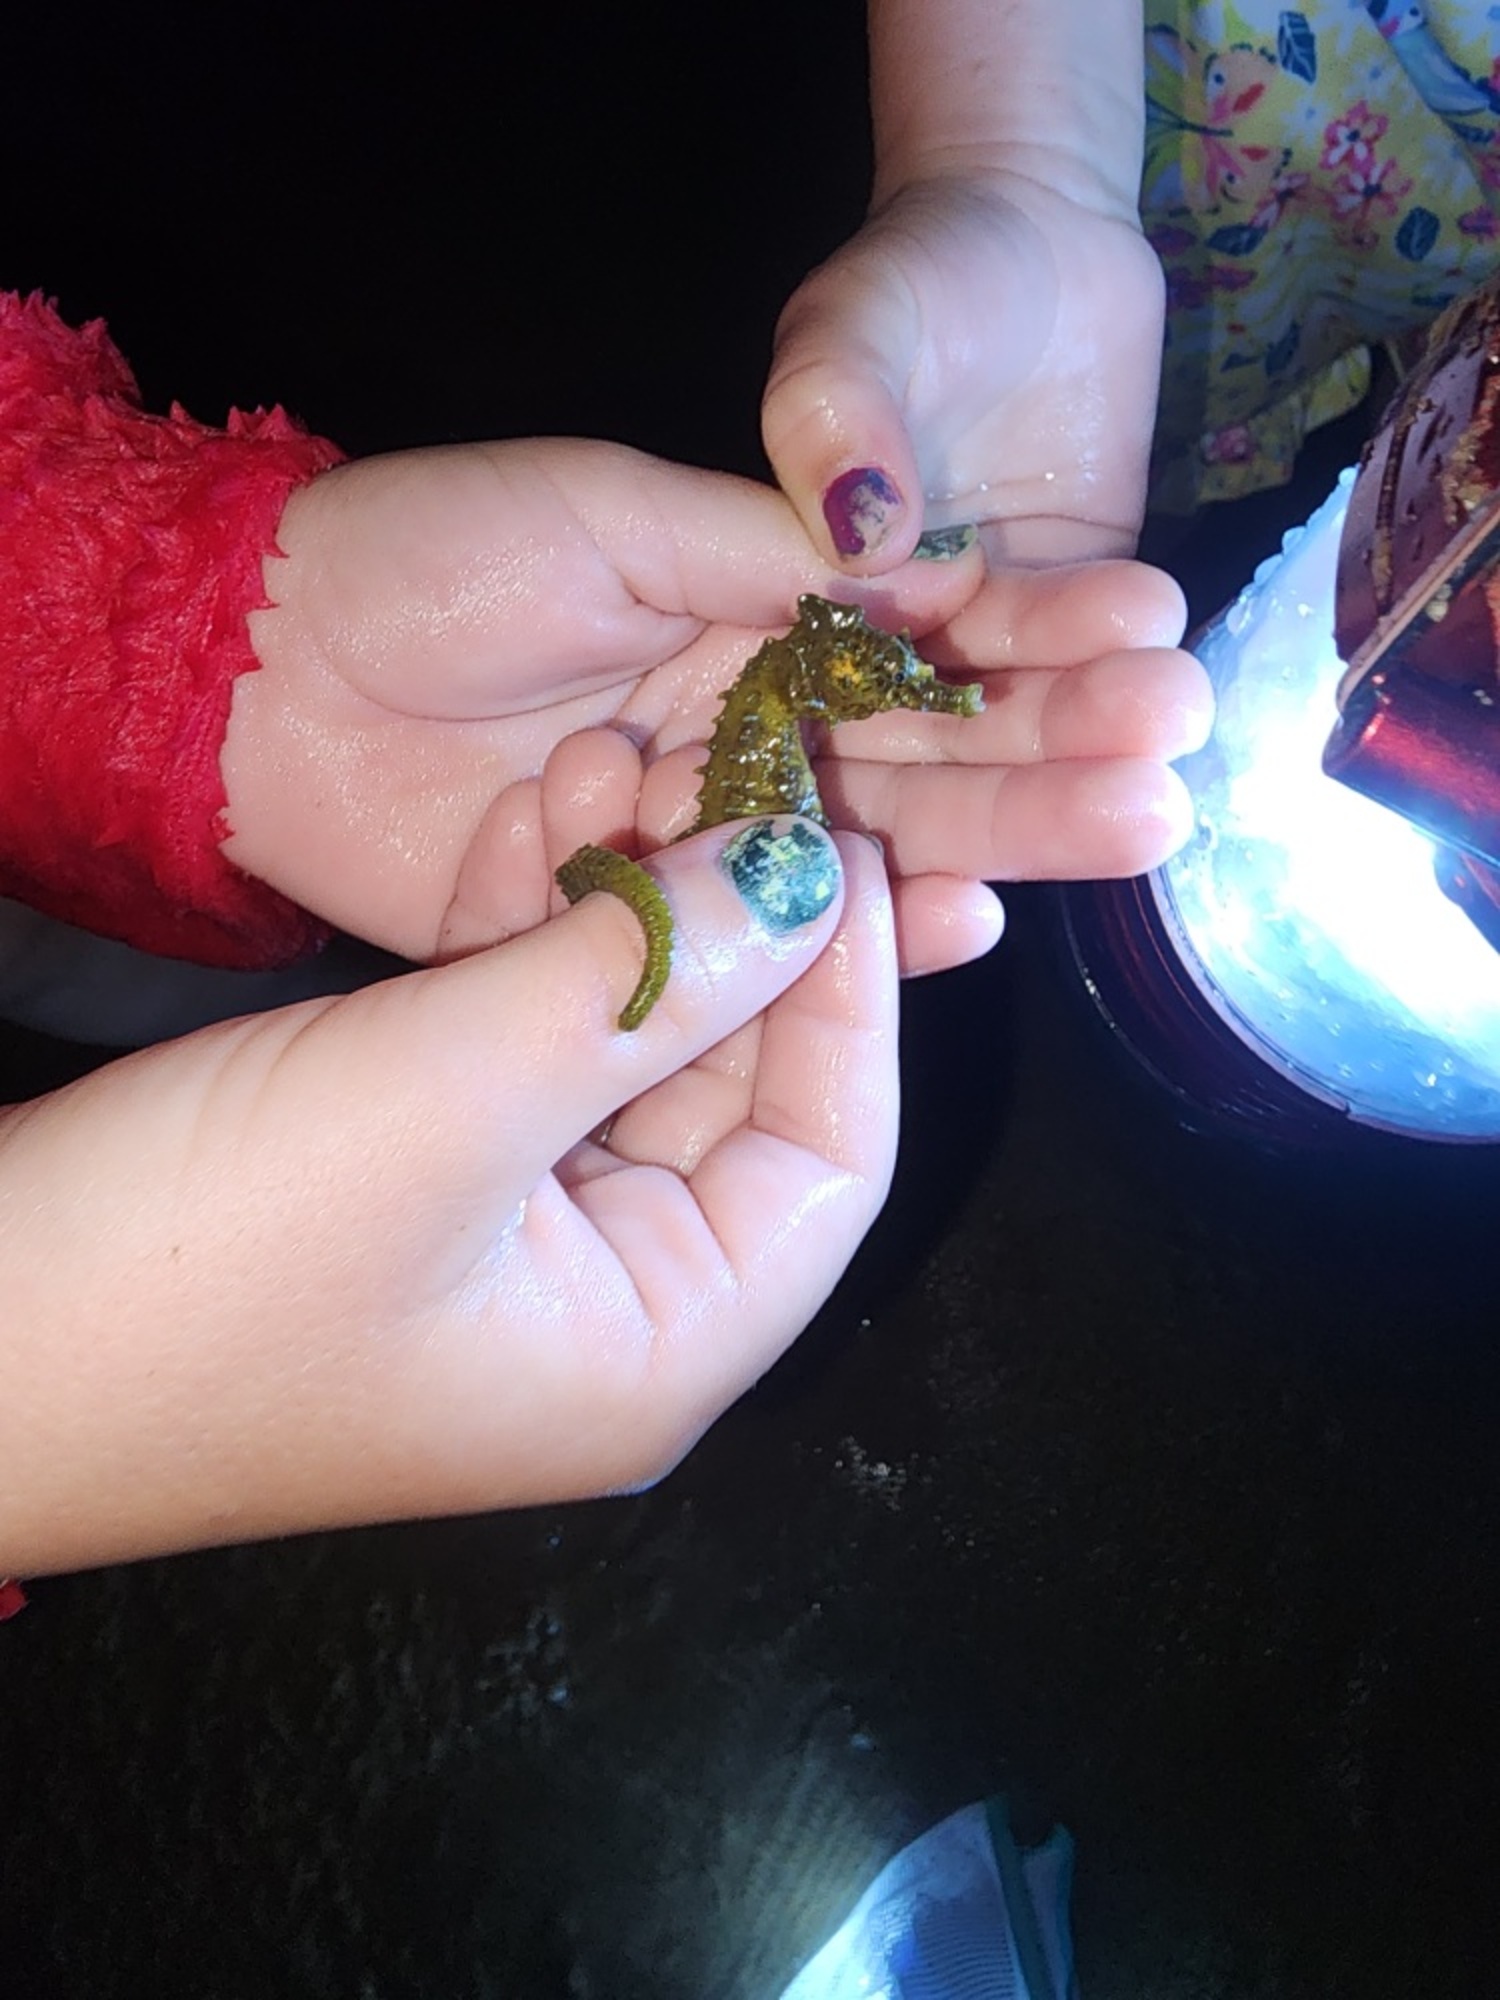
[785, 870]
[946, 544]
[861, 508]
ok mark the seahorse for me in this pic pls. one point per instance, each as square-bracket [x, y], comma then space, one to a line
[832, 666]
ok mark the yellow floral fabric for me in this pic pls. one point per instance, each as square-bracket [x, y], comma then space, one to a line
[1318, 178]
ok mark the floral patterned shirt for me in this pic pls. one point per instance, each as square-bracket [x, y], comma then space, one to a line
[1318, 178]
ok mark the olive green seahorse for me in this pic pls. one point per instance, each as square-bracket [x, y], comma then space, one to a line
[833, 666]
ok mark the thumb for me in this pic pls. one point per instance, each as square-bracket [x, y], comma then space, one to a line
[751, 907]
[832, 424]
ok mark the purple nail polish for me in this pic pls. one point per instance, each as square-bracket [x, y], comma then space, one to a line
[861, 507]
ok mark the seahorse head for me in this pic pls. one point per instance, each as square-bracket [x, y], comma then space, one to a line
[851, 669]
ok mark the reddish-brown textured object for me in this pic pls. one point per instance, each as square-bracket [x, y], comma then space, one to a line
[1418, 610]
[1429, 473]
[12, 1598]
[1428, 751]
[130, 557]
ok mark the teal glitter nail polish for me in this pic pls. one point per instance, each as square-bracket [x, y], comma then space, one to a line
[788, 877]
[946, 544]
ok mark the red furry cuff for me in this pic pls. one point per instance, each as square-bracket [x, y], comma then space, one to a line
[130, 556]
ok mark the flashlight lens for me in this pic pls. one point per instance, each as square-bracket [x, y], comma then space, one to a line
[1309, 918]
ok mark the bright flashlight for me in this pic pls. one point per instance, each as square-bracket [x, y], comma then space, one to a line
[1325, 951]
[1308, 918]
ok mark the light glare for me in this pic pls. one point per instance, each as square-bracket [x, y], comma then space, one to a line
[1309, 915]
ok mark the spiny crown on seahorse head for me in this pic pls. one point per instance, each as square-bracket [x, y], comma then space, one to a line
[833, 666]
[848, 669]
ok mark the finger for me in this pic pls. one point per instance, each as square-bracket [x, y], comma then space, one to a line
[668, 801]
[727, 550]
[590, 786]
[943, 921]
[834, 429]
[586, 793]
[1062, 777]
[1153, 702]
[1061, 821]
[678, 1122]
[1061, 617]
[502, 888]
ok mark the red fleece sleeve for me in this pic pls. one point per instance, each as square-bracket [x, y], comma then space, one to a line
[130, 556]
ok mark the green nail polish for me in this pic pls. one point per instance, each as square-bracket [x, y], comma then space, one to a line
[787, 877]
[946, 544]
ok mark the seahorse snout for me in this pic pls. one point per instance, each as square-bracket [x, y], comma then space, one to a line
[936, 697]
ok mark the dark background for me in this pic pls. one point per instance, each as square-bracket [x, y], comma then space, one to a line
[1133, 1468]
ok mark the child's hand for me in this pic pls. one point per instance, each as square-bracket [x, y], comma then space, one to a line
[482, 657]
[989, 348]
[452, 1243]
